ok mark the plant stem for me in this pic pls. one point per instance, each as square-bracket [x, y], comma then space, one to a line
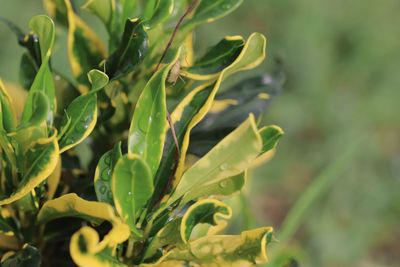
[171, 125]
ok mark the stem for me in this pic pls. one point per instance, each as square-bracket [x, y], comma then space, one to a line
[171, 125]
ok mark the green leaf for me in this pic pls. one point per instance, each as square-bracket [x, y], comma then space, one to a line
[86, 250]
[196, 105]
[104, 10]
[7, 117]
[149, 124]
[230, 157]
[216, 59]
[230, 108]
[270, 136]
[103, 174]
[247, 249]
[82, 113]
[97, 79]
[70, 205]
[222, 189]
[204, 211]
[177, 232]
[161, 12]
[132, 186]
[85, 48]
[40, 110]
[148, 8]
[210, 10]
[169, 234]
[43, 26]
[27, 71]
[57, 9]
[39, 162]
[127, 9]
[130, 52]
[28, 256]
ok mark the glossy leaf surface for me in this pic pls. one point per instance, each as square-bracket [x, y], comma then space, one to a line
[81, 115]
[103, 174]
[132, 186]
[87, 250]
[230, 108]
[210, 10]
[204, 211]
[149, 124]
[161, 12]
[230, 157]
[85, 48]
[130, 52]
[196, 105]
[216, 59]
[43, 26]
[221, 189]
[40, 161]
[250, 56]
[70, 205]
[8, 116]
[246, 249]
[104, 10]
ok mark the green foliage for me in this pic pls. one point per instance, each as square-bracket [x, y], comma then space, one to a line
[149, 196]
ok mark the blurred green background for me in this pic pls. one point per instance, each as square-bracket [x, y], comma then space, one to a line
[339, 109]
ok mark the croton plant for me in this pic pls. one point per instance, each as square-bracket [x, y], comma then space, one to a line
[95, 170]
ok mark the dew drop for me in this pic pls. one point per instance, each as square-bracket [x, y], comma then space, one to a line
[81, 128]
[226, 6]
[223, 184]
[103, 189]
[69, 141]
[110, 195]
[128, 197]
[107, 160]
[224, 166]
[105, 174]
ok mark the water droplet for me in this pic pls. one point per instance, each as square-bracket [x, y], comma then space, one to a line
[103, 189]
[69, 141]
[144, 123]
[86, 119]
[110, 195]
[128, 197]
[224, 166]
[105, 174]
[81, 128]
[226, 6]
[223, 184]
[107, 160]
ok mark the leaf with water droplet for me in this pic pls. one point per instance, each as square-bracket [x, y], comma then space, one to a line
[149, 124]
[103, 173]
[210, 10]
[132, 186]
[228, 158]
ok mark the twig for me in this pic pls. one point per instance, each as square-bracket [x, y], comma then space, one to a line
[174, 33]
[171, 125]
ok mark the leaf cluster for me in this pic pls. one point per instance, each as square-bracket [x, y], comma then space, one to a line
[99, 149]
